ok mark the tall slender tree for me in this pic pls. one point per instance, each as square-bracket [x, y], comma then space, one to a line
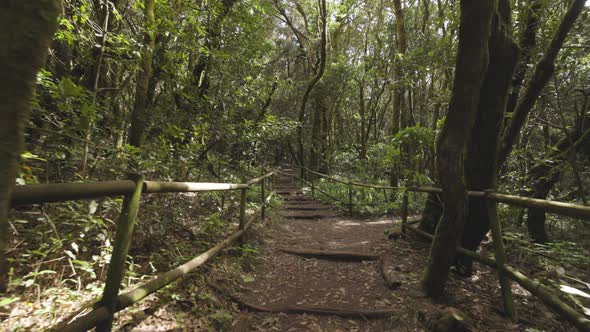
[313, 81]
[139, 115]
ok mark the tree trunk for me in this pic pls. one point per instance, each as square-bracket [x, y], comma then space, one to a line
[363, 151]
[472, 61]
[402, 48]
[527, 43]
[139, 115]
[544, 175]
[543, 72]
[26, 28]
[311, 84]
[200, 72]
[431, 214]
[480, 162]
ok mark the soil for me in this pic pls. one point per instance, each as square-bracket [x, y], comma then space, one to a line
[290, 292]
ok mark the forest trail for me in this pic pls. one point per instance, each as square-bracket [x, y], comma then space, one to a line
[321, 271]
[316, 271]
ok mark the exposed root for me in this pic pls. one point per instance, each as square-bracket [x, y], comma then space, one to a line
[388, 276]
[331, 255]
[304, 309]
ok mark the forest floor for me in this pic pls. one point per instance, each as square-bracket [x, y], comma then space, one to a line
[352, 278]
[335, 291]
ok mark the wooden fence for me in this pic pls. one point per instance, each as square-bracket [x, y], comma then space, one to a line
[506, 273]
[101, 316]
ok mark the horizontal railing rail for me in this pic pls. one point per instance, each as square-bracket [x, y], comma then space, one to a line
[61, 192]
[561, 208]
[101, 316]
[506, 273]
[350, 184]
[357, 184]
[565, 209]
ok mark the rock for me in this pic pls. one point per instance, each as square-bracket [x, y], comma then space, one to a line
[392, 282]
[449, 320]
[394, 234]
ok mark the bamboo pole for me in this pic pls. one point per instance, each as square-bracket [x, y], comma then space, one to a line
[565, 209]
[260, 178]
[534, 287]
[357, 184]
[551, 300]
[263, 199]
[350, 198]
[120, 250]
[242, 209]
[328, 195]
[152, 187]
[47, 193]
[59, 192]
[500, 255]
[475, 256]
[404, 212]
[91, 319]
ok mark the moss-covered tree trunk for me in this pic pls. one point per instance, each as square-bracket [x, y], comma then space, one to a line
[543, 176]
[527, 42]
[543, 72]
[139, 115]
[26, 28]
[312, 83]
[431, 214]
[480, 162]
[470, 70]
[201, 71]
[402, 48]
[483, 161]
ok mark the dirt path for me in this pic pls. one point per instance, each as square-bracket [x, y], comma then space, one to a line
[345, 290]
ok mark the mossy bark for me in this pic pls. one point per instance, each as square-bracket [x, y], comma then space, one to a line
[528, 40]
[544, 175]
[480, 163]
[402, 48]
[543, 72]
[431, 214]
[471, 66]
[139, 115]
[311, 84]
[26, 28]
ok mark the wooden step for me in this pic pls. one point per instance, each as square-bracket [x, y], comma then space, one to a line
[338, 255]
[309, 207]
[309, 214]
[301, 203]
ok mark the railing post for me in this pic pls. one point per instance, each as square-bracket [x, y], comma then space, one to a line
[404, 211]
[500, 254]
[350, 198]
[312, 188]
[263, 198]
[242, 208]
[301, 176]
[120, 249]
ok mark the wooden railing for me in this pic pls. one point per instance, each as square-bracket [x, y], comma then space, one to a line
[101, 316]
[349, 185]
[506, 273]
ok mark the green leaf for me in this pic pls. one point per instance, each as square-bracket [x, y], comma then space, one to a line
[8, 300]
[248, 278]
